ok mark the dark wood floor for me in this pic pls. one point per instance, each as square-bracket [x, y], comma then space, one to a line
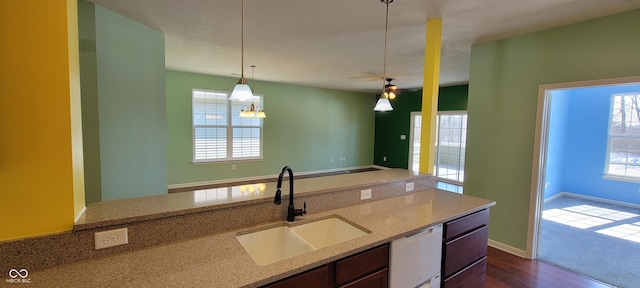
[507, 270]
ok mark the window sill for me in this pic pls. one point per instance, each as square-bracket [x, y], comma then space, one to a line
[226, 161]
[621, 178]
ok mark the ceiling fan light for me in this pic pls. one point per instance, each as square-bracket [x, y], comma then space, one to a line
[383, 105]
[391, 95]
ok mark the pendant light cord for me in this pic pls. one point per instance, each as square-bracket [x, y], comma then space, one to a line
[242, 43]
[384, 65]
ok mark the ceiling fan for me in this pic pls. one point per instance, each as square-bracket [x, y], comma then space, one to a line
[390, 90]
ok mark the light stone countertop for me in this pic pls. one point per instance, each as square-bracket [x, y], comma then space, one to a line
[114, 212]
[220, 261]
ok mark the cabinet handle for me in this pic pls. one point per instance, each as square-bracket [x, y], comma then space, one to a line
[423, 233]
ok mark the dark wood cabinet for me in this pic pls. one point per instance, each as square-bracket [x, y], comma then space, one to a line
[470, 277]
[366, 269]
[378, 279]
[464, 250]
[316, 278]
[360, 265]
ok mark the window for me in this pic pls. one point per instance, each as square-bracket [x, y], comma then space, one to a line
[623, 149]
[414, 145]
[451, 138]
[219, 134]
[451, 142]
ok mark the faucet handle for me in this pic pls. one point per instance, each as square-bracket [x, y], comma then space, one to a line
[278, 199]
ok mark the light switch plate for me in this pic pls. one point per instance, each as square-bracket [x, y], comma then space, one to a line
[106, 239]
[409, 187]
[365, 194]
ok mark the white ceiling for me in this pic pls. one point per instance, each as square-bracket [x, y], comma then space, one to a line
[340, 43]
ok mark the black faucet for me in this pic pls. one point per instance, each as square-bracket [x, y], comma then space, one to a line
[292, 212]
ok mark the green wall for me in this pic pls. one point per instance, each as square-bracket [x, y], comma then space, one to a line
[89, 95]
[390, 125]
[453, 98]
[124, 110]
[305, 127]
[503, 93]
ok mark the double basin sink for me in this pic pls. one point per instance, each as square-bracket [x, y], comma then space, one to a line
[275, 244]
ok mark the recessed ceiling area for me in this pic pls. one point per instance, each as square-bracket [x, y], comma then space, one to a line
[340, 44]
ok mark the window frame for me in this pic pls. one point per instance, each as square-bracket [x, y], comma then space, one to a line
[610, 135]
[229, 126]
[464, 129]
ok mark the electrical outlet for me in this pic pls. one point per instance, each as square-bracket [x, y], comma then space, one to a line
[365, 194]
[106, 239]
[233, 166]
[384, 158]
[408, 187]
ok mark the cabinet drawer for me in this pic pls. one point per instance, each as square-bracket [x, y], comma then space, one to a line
[471, 277]
[379, 279]
[462, 225]
[465, 250]
[316, 278]
[362, 264]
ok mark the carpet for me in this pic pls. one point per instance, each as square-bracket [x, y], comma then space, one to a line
[595, 239]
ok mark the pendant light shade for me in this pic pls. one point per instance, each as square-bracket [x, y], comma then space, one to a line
[383, 105]
[242, 91]
[252, 111]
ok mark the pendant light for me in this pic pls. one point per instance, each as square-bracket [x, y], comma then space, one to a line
[251, 111]
[383, 103]
[242, 91]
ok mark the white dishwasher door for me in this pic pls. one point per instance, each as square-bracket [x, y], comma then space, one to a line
[415, 259]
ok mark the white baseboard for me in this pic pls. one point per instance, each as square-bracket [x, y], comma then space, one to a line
[555, 197]
[381, 167]
[597, 199]
[253, 178]
[508, 249]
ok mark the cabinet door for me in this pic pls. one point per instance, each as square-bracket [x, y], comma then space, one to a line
[357, 266]
[465, 224]
[471, 277]
[465, 250]
[375, 280]
[316, 278]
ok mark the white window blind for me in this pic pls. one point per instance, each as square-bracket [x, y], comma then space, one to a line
[623, 149]
[451, 142]
[219, 134]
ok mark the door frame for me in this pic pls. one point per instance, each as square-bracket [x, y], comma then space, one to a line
[540, 151]
[411, 136]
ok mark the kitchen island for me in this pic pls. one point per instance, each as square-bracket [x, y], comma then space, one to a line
[220, 261]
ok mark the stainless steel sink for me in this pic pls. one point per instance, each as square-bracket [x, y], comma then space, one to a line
[275, 244]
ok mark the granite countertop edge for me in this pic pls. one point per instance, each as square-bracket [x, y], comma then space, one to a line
[84, 224]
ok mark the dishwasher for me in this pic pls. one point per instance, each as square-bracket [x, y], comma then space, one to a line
[415, 259]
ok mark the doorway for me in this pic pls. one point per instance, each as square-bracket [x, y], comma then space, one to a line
[577, 160]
